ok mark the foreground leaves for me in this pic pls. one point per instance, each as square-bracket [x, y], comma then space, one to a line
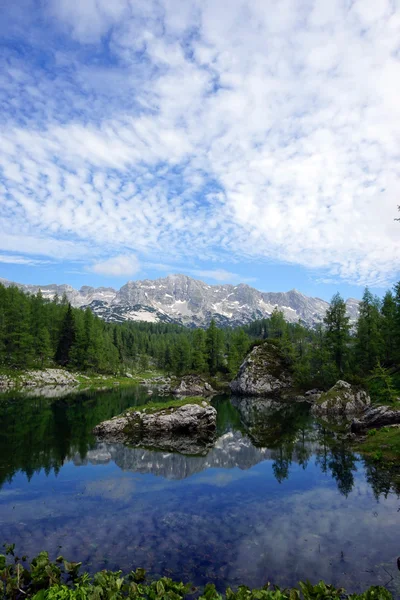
[42, 579]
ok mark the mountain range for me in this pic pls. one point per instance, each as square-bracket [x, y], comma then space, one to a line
[190, 302]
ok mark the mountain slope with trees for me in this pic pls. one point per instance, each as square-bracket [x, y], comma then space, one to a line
[36, 333]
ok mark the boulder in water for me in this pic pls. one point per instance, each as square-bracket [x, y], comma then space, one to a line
[188, 429]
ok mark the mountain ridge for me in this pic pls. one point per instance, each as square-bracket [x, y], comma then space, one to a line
[187, 301]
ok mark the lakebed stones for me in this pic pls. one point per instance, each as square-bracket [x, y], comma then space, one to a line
[375, 417]
[265, 372]
[342, 400]
[188, 429]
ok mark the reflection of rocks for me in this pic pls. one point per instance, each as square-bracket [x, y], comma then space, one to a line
[375, 417]
[275, 424]
[189, 429]
[230, 450]
[264, 372]
[342, 399]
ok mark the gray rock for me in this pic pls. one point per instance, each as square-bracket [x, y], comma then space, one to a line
[194, 385]
[342, 400]
[264, 372]
[40, 378]
[189, 429]
[375, 417]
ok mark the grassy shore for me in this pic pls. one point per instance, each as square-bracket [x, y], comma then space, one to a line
[381, 444]
[153, 407]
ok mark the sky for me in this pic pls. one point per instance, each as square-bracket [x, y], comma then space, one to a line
[253, 141]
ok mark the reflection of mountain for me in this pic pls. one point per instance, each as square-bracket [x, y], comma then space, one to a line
[233, 449]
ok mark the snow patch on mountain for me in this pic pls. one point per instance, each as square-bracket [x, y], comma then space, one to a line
[181, 299]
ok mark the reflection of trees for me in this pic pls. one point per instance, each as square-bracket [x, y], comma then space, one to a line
[282, 464]
[41, 433]
[336, 456]
[384, 478]
[287, 429]
[342, 463]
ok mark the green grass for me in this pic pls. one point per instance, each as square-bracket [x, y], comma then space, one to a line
[381, 444]
[153, 407]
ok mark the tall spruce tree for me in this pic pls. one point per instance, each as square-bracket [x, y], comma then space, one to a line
[369, 345]
[338, 332]
[214, 347]
[388, 327]
[67, 338]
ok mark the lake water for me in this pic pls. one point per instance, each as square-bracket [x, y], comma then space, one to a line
[284, 504]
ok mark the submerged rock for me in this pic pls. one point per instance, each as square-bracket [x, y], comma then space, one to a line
[342, 400]
[189, 429]
[264, 372]
[375, 417]
[194, 385]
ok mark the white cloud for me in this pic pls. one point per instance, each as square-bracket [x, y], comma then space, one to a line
[21, 260]
[220, 275]
[117, 266]
[269, 131]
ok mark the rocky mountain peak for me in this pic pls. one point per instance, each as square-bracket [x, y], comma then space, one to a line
[181, 299]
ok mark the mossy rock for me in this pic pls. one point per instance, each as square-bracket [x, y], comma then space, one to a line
[342, 399]
[265, 371]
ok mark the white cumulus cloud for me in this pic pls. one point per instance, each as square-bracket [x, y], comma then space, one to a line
[269, 131]
[117, 266]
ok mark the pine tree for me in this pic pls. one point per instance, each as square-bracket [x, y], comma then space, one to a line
[388, 326]
[67, 338]
[369, 346]
[337, 332]
[199, 351]
[214, 347]
[277, 324]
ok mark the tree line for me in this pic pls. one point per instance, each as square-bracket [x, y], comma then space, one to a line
[36, 332]
[367, 351]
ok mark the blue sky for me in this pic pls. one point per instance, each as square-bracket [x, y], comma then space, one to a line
[242, 141]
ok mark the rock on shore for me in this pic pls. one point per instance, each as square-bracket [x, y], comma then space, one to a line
[375, 417]
[264, 372]
[39, 378]
[189, 429]
[342, 400]
[194, 385]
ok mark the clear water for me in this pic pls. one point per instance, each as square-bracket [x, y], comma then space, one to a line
[283, 505]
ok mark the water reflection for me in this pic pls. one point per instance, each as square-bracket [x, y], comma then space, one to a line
[277, 498]
[42, 434]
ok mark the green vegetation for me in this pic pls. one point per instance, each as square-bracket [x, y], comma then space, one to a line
[42, 579]
[153, 407]
[382, 443]
[37, 333]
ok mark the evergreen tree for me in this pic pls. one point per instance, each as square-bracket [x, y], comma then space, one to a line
[214, 348]
[337, 332]
[368, 338]
[388, 327]
[277, 324]
[67, 338]
[199, 352]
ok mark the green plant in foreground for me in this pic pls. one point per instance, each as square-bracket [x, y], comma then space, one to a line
[60, 580]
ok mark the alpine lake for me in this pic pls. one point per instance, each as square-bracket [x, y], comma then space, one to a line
[276, 499]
